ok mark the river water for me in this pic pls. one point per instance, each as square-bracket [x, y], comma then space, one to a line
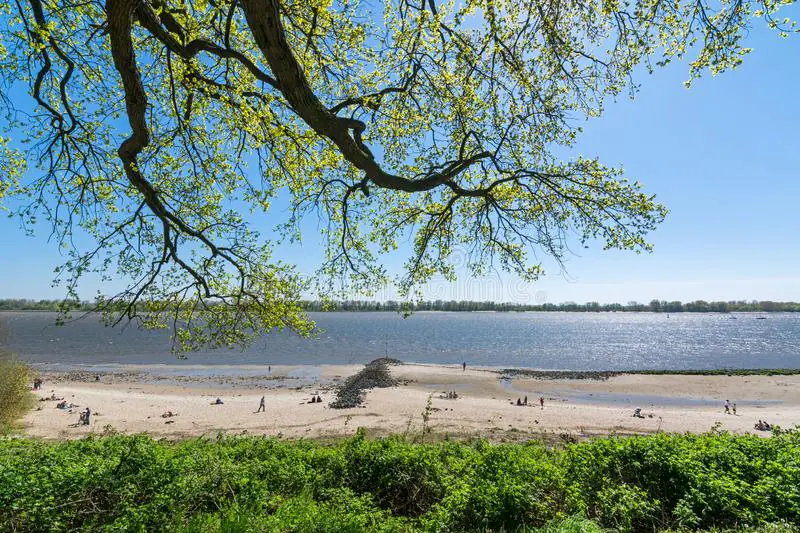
[571, 341]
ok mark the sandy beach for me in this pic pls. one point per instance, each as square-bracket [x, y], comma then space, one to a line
[133, 401]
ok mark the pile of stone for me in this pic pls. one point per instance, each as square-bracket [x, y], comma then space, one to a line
[375, 374]
[510, 373]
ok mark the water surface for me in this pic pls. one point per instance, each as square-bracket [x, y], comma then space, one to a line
[571, 341]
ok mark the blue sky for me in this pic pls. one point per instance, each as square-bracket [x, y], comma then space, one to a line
[724, 156]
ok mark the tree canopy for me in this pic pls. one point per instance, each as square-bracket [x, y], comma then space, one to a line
[160, 129]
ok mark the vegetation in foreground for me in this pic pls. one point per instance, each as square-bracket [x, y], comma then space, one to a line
[15, 394]
[663, 482]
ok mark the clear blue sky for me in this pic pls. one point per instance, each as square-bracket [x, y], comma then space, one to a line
[724, 156]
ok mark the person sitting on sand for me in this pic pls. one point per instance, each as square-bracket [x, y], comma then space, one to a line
[313, 399]
[218, 401]
[168, 414]
[763, 425]
[638, 412]
[519, 402]
[319, 399]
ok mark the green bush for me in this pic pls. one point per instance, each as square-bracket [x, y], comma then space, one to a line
[663, 482]
[15, 392]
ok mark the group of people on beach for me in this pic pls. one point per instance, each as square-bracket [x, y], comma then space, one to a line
[51, 398]
[763, 425]
[522, 402]
[84, 417]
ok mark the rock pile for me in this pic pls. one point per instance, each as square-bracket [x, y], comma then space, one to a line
[510, 373]
[375, 374]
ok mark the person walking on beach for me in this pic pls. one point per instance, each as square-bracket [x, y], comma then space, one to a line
[734, 408]
[541, 401]
[262, 405]
[727, 406]
[464, 366]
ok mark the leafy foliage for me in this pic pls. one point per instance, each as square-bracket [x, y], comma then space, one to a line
[254, 484]
[15, 382]
[159, 131]
[15, 392]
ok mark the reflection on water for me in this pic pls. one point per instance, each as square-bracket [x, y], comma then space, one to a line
[571, 341]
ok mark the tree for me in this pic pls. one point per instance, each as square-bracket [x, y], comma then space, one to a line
[160, 129]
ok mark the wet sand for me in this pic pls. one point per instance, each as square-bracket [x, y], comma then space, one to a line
[132, 400]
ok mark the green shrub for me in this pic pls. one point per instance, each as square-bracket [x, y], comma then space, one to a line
[15, 392]
[663, 482]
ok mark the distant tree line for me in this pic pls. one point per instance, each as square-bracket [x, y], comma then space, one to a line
[22, 304]
[655, 306]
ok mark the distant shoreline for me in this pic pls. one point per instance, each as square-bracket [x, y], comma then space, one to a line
[251, 374]
[654, 306]
[510, 310]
